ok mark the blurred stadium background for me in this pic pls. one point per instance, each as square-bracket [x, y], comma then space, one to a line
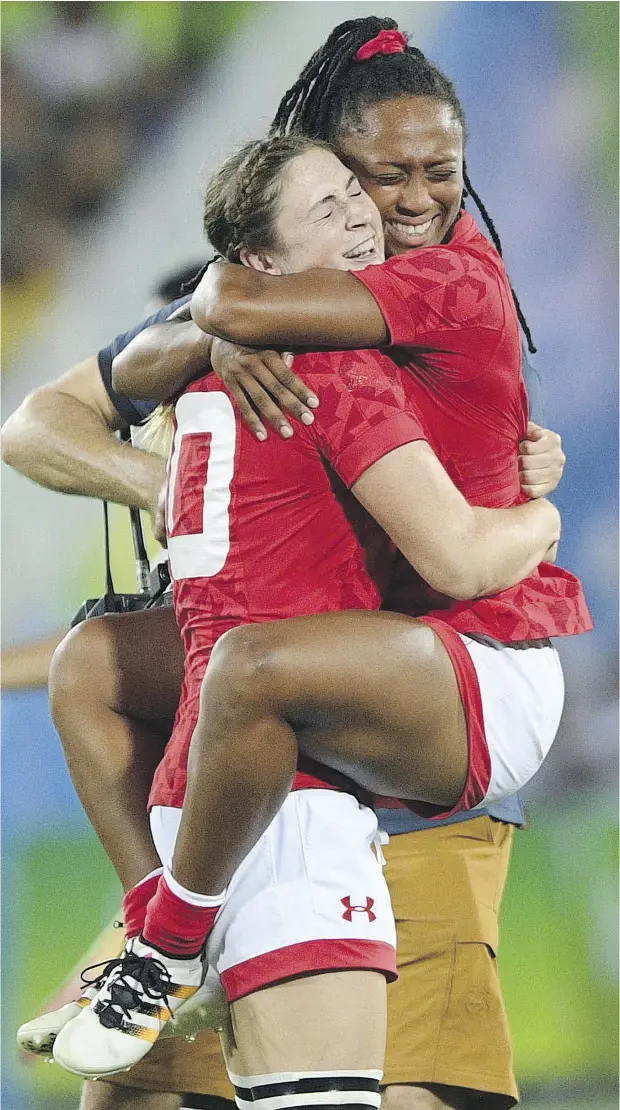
[112, 113]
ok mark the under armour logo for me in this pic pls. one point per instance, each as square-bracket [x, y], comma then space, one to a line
[349, 910]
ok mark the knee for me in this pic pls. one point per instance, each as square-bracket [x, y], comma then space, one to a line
[241, 669]
[82, 665]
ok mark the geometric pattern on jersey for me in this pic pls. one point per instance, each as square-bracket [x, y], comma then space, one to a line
[270, 529]
[454, 303]
[278, 513]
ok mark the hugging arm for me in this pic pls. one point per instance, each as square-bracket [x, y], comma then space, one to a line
[329, 308]
[461, 550]
[162, 360]
[316, 308]
[62, 437]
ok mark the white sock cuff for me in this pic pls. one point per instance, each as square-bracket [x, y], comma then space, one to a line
[194, 899]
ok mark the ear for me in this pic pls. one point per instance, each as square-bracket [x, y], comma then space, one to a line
[260, 262]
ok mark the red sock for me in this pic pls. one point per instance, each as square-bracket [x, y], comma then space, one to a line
[135, 902]
[177, 927]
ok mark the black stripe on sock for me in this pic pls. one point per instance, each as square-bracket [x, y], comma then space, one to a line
[309, 1085]
[336, 1106]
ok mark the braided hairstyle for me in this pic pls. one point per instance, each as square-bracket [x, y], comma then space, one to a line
[329, 97]
[241, 199]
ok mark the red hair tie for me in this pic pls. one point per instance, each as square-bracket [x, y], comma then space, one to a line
[386, 42]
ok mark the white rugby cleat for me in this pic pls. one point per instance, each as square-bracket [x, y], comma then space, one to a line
[139, 995]
[38, 1036]
[206, 1009]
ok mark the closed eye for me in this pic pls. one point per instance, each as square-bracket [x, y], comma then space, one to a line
[388, 180]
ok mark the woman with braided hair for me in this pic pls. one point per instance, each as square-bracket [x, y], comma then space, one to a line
[400, 709]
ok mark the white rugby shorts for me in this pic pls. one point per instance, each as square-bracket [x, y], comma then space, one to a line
[310, 896]
[513, 699]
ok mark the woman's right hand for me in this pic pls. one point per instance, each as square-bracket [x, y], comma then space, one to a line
[259, 379]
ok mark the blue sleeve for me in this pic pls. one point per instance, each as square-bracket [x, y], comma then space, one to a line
[533, 385]
[132, 412]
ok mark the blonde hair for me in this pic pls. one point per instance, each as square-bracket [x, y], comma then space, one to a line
[158, 430]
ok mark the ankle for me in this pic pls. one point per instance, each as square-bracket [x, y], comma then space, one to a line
[175, 926]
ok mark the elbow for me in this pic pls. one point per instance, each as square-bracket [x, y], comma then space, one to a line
[456, 578]
[123, 378]
[13, 439]
[7, 445]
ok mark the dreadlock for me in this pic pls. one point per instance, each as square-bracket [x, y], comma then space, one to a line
[329, 97]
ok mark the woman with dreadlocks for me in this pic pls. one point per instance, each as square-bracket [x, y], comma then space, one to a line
[396, 120]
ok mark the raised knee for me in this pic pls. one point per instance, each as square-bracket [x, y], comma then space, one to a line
[241, 666]
[82, 662]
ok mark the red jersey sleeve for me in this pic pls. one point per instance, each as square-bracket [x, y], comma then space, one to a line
[364, 412]
[431, 292]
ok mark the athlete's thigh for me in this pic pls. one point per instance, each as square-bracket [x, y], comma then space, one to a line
[319, 1023]
[137, 659]
[149, 659]
[382, 683]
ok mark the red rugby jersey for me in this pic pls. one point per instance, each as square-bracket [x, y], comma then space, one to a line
[262, 531]
[451, 312]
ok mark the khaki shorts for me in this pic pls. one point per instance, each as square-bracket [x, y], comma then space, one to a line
[446, 1017]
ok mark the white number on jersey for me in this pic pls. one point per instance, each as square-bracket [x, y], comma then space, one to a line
[209, 418]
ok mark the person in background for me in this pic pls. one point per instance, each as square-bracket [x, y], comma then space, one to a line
[176, 1065]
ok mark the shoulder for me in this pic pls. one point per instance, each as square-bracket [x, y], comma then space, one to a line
[351, 367]
[124, 338]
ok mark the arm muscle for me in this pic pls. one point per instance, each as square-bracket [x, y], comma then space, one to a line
[317, 308]
[62, 437]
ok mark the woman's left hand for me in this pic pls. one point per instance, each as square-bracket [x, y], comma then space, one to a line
[541, 461]
[263, 385]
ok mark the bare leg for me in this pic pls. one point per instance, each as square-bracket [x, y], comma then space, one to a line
[334, 1022]
[434, 1096]
[102, 1096]
[105, 1096]
[114, 688]
[373, 695]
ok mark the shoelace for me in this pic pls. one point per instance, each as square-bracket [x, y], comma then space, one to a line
[151, 975]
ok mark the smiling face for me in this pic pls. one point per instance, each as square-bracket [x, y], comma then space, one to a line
[323, 219]
[407, 154]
